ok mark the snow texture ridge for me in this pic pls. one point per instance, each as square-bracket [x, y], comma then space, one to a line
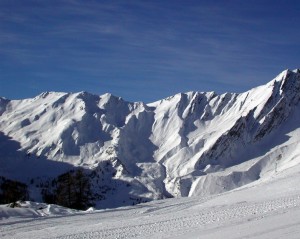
[194, 143]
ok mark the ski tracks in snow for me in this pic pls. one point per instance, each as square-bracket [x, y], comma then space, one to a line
[161, 226]
[155, 220]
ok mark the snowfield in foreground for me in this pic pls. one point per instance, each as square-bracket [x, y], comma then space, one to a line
[268, 208]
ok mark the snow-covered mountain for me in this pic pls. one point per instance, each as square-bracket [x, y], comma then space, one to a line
[189, 144]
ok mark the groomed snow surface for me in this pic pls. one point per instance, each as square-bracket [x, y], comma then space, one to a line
[268, 208]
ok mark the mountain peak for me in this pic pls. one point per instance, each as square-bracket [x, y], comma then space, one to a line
[173, 147]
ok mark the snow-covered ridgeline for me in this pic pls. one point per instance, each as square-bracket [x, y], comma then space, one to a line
[189, 144]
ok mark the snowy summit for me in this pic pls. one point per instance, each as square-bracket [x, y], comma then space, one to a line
[200, 145]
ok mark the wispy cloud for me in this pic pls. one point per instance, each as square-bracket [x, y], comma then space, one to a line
[114, 45]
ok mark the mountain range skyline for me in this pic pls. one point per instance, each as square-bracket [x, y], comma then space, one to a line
[189, 144]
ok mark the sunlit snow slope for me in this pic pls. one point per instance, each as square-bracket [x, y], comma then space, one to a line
[189, 144]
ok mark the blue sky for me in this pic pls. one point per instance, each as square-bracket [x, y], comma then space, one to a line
[145, 50]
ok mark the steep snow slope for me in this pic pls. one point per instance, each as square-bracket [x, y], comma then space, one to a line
[189, 144]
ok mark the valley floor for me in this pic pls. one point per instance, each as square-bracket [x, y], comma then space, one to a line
[267, 209]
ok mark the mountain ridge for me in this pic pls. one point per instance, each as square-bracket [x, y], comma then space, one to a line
[194, 143]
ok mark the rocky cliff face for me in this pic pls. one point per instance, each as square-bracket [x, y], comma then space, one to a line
[189, 144]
